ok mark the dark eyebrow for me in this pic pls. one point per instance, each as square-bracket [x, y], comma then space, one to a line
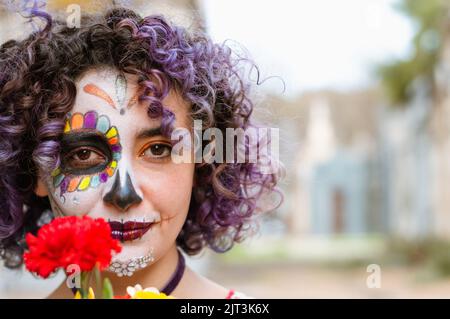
[149, 132]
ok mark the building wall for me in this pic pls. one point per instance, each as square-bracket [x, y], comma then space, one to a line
[339, 192]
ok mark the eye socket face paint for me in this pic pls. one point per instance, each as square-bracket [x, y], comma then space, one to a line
[88, 133]
[84, 153]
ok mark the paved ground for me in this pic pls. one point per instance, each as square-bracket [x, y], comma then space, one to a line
[303, 281]
[298, 281]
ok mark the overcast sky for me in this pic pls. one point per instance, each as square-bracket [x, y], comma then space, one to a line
[313, 44]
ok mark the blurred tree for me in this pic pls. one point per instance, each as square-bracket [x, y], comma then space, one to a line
[431, 21]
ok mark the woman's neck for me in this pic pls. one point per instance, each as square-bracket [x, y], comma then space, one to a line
[155, 275]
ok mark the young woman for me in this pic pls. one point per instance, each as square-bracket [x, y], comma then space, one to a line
[87, 117]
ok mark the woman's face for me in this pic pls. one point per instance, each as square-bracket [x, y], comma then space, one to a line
[115, 164]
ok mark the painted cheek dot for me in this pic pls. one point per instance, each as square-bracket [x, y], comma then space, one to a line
[110, 171]
[57, 180]
[113, 164]
[77, 121]
[103, 124]
[116, 148]
[103, 177]
[112, 132]
[56, 172]
[64, 185]
[73, 184]
[67, 127]
[113, 140]
[84, 183]
[95, 181]
[90, 119]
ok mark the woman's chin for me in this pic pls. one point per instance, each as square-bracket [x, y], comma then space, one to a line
[134, 249]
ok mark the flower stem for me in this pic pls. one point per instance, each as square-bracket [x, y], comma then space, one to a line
[98, 280]
[85, 279]
[107, 292]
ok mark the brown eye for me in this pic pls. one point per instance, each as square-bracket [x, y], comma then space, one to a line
[84, 158]
[157, 151]
[84, 154]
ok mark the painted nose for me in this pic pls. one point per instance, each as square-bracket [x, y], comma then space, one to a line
[122, 196]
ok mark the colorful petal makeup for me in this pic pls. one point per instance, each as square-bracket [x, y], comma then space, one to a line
[91, 150]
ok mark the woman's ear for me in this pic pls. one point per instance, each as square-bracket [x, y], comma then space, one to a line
[40, 189]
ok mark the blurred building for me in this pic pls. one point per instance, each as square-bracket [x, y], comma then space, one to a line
[439, 130]
[405, 156]
[365, 166]
[416, 151]
[334, 182]
[372, 179]
[335, 185]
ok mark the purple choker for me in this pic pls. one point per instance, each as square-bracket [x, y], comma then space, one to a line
[176, 276]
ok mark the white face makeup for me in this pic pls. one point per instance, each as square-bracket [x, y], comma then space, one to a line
[115, 164]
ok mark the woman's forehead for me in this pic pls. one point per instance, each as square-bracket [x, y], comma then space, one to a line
[116, 95]
[109, 79]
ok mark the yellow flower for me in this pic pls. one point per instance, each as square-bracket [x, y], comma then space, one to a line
[137, 292]
[90, 294]
[151, 295]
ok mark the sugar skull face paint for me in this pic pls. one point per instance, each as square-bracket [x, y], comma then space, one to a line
[118, 166]
[96, 91]
[121, 85]
[91, 151]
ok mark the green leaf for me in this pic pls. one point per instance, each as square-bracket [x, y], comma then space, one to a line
[108, 292]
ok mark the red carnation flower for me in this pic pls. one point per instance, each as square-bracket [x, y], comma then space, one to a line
[70, 240]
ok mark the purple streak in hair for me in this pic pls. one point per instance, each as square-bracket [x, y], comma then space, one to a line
[31, 9]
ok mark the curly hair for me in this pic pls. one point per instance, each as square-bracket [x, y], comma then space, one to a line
[37, 90]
